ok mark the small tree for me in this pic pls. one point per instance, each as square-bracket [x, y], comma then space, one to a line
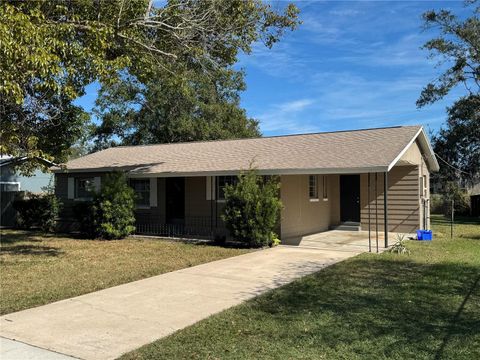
[252, 209]
[114, 208]
[454, 193]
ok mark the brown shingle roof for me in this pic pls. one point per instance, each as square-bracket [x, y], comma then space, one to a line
[343, 151]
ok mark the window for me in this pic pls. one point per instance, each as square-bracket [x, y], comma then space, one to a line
[423, 186]
[9, 186]
[142, 191]
[325, 187]
[425, 183]
[312, 187]
[83, 188]
[221, 182]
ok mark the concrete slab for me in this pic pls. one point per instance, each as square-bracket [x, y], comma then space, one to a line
[108, 323]
[15, 350]
[341, 240]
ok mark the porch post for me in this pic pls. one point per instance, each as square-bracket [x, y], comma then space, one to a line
[385, 206]
[369, 222]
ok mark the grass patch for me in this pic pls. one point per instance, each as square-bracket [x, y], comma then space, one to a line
[424, 306]
[38, 269]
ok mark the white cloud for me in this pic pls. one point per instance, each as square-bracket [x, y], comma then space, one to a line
[285, 118]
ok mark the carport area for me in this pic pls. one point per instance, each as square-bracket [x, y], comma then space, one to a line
[341, 240]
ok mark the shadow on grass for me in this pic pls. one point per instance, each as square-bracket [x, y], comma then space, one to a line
[10, 237]
[459, 220]
[403, 308]
[30, 250]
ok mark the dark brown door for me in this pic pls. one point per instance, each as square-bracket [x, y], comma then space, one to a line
[175, 200]
[350, 198]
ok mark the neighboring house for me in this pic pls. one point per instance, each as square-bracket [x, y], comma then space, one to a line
[11, 183]
[327, 179]
[11, 180]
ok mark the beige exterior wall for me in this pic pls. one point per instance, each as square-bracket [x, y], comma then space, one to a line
[199, 210]
[302, 216]
[415, 157]
[405, 198]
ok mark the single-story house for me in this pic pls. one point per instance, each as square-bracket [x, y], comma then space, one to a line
[359, 179]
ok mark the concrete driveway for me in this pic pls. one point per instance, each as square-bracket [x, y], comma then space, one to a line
[108, 323]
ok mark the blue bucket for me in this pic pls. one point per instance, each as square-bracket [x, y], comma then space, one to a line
[424, 235]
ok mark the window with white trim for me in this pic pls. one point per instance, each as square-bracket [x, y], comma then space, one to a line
[222, 181]
[325, 187]
[312, 187]
[141, 187]
[423, 186]
[9, 186]
[84, 187]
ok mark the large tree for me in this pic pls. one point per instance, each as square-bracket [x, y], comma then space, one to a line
[187, 106]
[457, 47]
[50, 50]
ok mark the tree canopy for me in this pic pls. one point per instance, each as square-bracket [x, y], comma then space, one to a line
[183, 50]
[457, 47]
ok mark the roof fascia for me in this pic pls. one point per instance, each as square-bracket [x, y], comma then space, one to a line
[425, 146]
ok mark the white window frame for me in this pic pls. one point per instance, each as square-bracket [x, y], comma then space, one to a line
[76, 188]
[19, 186]
[423, 186]
[313, 188]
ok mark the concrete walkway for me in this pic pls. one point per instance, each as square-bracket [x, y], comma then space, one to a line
[108, 323]
[15, 350]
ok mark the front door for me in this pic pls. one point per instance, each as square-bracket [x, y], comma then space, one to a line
[175, 200]
[350, 198]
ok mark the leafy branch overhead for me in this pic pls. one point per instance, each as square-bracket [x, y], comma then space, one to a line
[457, 48]
[50, 50]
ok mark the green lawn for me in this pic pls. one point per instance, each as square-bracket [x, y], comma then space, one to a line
[422, 306]
[37, 270]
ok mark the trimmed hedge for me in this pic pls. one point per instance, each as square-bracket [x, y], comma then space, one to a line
[37, 211]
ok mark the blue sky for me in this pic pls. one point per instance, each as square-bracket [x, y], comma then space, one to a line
[350, 65]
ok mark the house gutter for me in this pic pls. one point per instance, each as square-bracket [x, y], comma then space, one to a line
[313, 171]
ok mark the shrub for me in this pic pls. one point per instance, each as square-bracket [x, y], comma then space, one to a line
[37, 211]
[400, 247]
[85, 215]
[252, 209]
[460, 198]
[437, 204]
[111, 213]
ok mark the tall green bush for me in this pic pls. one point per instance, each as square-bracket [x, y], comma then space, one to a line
[252, 209]
[460, 198]
[37, 211]
[111, 213]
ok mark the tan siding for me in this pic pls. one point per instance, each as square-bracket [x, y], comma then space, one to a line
[196, 203]
[414, 156]
[335, 199]
[199, 210]
[299, 215]
[403, 200]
